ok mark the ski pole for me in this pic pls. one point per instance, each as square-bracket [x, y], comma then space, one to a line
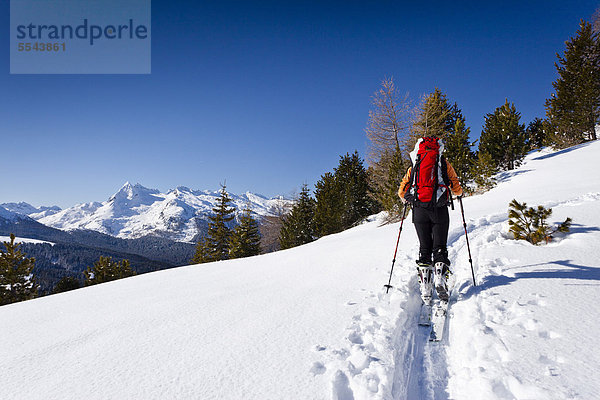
[388, 286]
[462, 211]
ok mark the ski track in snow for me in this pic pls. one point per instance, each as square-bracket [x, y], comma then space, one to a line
[389, 356]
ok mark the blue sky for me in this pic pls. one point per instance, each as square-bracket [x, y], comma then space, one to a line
[266, 95]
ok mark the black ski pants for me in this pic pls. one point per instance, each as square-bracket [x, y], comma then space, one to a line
[431, 224]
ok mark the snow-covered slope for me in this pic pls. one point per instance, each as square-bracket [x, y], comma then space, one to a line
[23, 240]
[135, 211]
[314, 322]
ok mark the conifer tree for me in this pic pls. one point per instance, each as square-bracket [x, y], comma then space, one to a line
[503, 137]
[16, 274]
[353, 182]
[484, 169]
[328, 206]
[245, 239]
[106, 270]
[342, 198]
[574, 110]
[458, 150]
[298, 225]
[215, 245]
[66, 284]
[536, 133]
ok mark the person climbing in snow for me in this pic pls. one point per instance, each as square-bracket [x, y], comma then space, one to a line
[426, 186]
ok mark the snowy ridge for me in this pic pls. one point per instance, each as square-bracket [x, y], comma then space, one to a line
[314, 322]
[136, 211]
[29, 210]
[10, 215]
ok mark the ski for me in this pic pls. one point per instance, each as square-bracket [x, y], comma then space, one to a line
[439, 312]
[425, 315]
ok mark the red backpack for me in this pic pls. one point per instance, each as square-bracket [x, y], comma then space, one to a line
[429, 182]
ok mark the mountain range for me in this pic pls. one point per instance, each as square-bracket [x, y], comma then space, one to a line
[135, 211]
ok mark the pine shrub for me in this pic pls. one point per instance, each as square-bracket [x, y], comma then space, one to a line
[528, 223]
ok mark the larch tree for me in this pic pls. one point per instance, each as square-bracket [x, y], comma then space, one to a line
[388, 131]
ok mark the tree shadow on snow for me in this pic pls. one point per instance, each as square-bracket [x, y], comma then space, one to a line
[569, 271]
[558, 153]
[506, 175]
[578, 228]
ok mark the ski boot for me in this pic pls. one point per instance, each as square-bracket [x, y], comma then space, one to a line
[440, 280]
[425, 281]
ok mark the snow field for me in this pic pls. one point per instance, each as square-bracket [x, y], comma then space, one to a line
[314, 322]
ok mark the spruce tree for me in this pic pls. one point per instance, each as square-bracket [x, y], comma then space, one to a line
[353, 182]
[342, 198]
[106, 270]
[458, 150]
[16, 274]
[574, 110]
[536, 133]
[298, 225]
[328, 206]
[503, 137]
[215, 245]
[245, 239]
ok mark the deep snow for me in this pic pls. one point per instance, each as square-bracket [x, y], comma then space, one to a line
[314, 322]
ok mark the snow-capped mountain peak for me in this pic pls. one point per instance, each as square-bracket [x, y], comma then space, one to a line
[134, 192]
[135, 211]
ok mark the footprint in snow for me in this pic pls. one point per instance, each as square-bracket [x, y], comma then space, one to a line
[318, 368]
[354, 337]
[341, 387]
